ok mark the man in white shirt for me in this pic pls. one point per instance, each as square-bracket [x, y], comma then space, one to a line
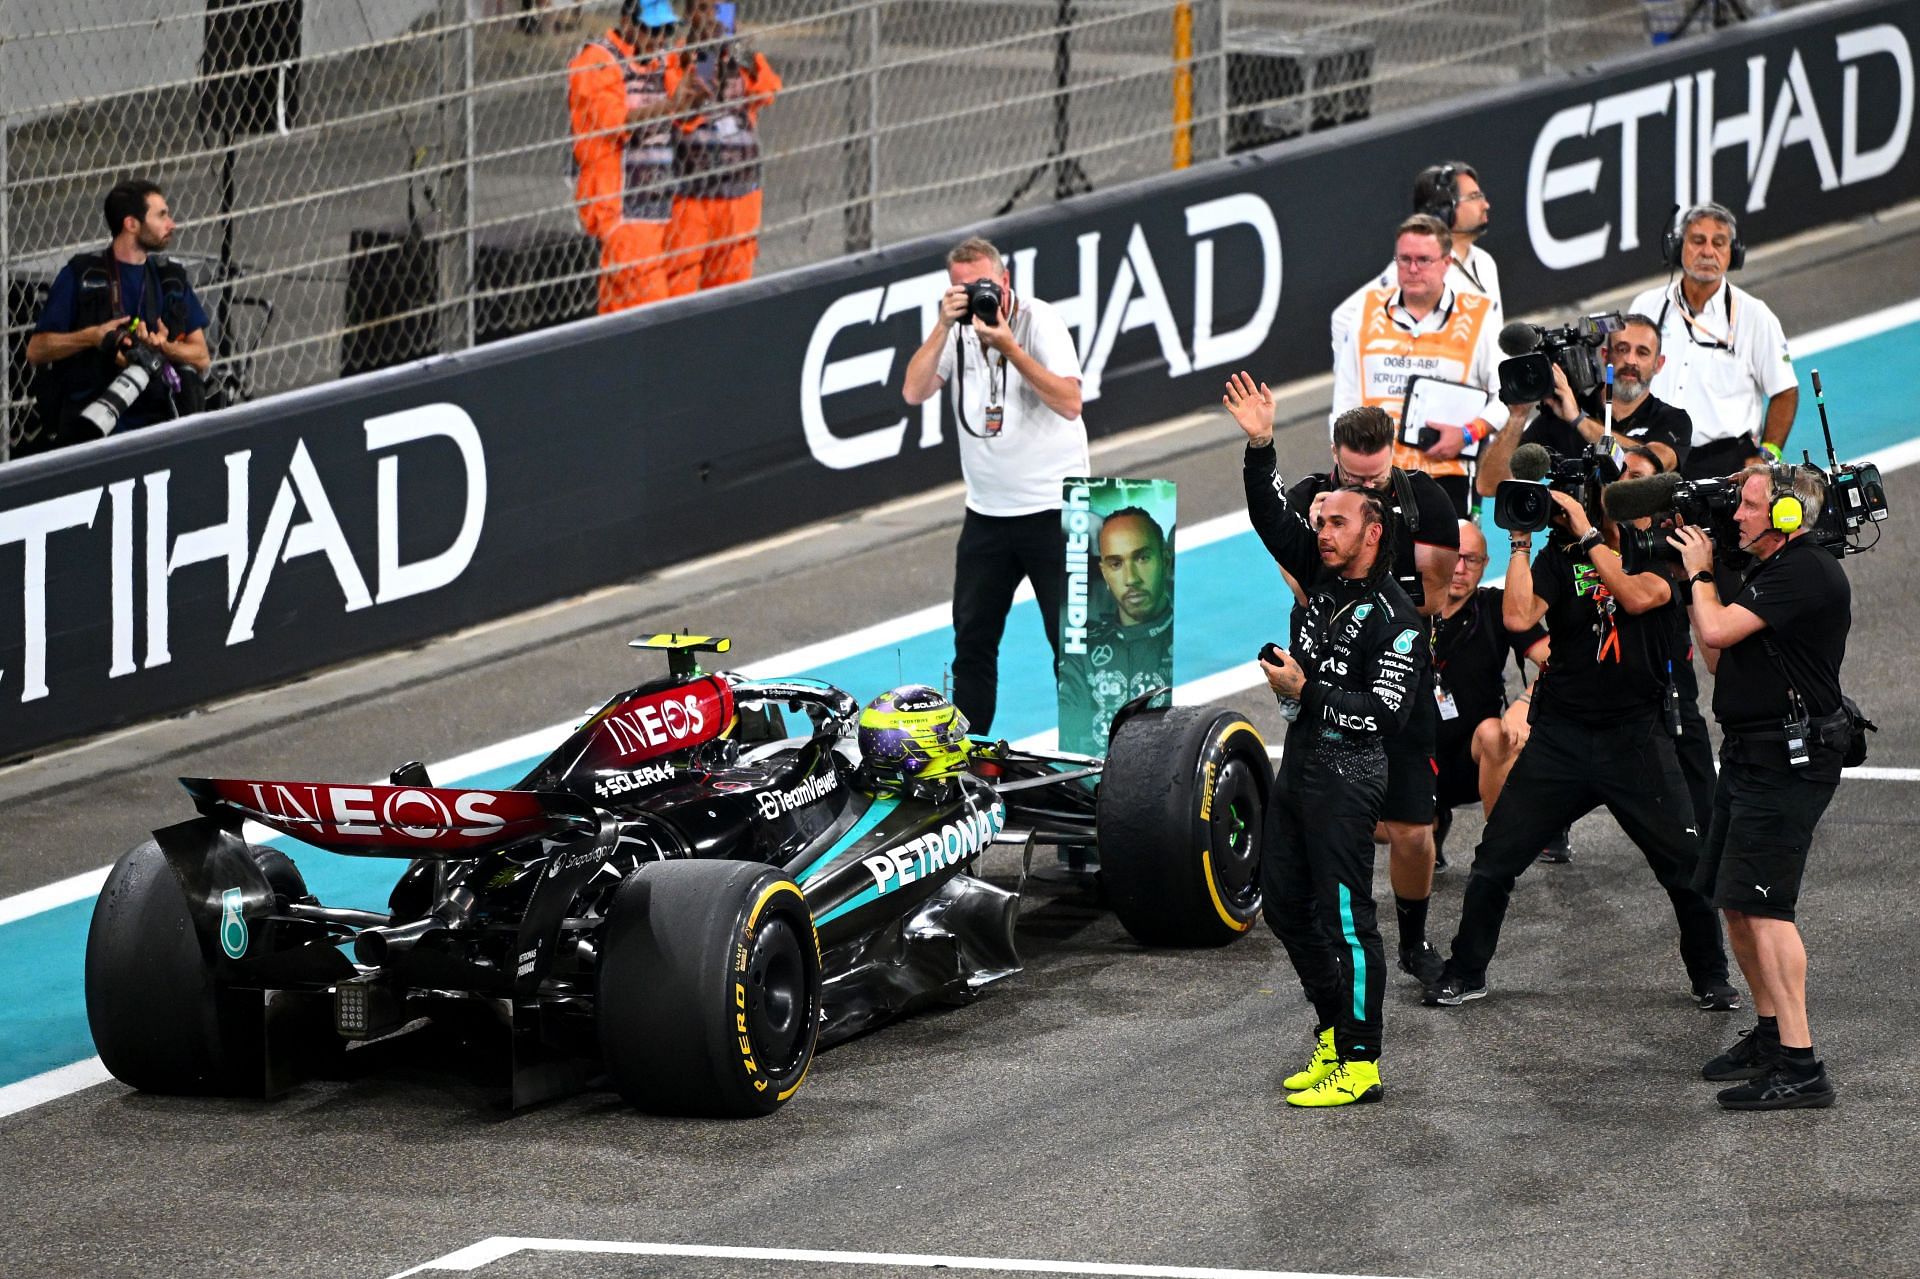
[1422, 326]
[1451, 193]
[1018, 407]
[1727, 361]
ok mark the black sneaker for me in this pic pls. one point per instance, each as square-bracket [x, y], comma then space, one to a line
[1780, 1089]
[1452, 990]
[1559, 849]
[1716, 997]
[1749, 1058]
[1422, 962]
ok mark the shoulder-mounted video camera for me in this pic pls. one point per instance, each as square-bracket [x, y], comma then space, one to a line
[1527, 378]
[1522, 504]
[1855, 498]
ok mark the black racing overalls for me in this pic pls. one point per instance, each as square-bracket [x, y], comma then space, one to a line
[1365, 651]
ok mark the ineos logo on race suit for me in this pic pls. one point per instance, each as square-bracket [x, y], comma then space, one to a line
[1353, 723]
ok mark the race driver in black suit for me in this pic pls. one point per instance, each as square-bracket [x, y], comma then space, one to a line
[1358, 659]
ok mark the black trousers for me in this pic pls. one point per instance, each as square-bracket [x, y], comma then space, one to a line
[1694, 747]
[994, 554]
[1564, 772]
[1718, 458]
[1316, 878]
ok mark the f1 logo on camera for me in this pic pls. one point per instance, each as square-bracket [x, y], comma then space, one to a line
[1867, 72]
[1134, 295]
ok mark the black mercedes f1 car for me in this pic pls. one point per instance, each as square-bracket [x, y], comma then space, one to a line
[682, 899]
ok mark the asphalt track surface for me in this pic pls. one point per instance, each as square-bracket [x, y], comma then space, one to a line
[1109, 1110]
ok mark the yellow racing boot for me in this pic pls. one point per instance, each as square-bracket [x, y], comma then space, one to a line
[1324, 1062]
[1350, 1082]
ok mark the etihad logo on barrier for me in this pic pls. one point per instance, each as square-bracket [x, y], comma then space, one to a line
[936, 850]
[1774, 116]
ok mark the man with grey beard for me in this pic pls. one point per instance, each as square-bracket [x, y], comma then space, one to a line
[1566, 428]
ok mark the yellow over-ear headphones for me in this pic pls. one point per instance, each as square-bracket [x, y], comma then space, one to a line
[1785, 509]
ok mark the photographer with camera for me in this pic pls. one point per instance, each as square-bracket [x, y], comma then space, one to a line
[1353, 675]
[1017, 404]
[122, 338]
[1450, 193]
[1727, 361]
[1424, 327]
[1597, 735]
[1567, 423]
[1781, 640]
[1425, 535]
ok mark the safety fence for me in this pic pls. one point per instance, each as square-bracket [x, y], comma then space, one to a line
[360, 182]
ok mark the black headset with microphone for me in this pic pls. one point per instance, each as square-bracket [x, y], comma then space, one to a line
[1434, 193]
[1674, 239]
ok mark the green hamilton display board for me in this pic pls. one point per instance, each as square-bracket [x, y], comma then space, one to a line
[1116, 632]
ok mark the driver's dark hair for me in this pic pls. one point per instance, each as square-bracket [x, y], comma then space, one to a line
[1377, 512]
[1137, 512]
[129, 200]
[1366, 429]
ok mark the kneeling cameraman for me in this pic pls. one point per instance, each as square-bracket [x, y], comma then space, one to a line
[1776, 694]
[122, 337]
[1597, 738]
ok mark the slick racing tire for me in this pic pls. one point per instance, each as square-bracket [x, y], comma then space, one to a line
[159, 1016]
[1179, 811]
[709, 988]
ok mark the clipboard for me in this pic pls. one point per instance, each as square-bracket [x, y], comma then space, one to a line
[1433, 399]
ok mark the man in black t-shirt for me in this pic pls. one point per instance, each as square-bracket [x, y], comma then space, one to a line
[1426, 543]
[1565, 427]
[1776, 693]
[1597, 739]
[1481, 733]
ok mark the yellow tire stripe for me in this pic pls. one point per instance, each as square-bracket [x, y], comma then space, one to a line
[1206, 854]
[753, 917]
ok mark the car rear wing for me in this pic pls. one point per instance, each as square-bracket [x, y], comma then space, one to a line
[392, 821]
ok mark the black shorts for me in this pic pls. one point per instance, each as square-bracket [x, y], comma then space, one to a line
[1763, 818]
[1410, 763]
[1457, 780]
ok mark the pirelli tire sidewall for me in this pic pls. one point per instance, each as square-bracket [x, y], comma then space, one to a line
[1179, 812]
[709, 988]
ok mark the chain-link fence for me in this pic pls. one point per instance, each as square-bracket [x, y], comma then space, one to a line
[364, 181]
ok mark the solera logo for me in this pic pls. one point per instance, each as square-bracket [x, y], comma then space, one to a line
[1777, 111]
[1135, 298]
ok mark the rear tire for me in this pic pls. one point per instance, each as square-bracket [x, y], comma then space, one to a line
[709, 988]
[1179, 811]
[160, 1020]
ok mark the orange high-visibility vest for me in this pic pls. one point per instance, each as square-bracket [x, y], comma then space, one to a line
[1390, 357]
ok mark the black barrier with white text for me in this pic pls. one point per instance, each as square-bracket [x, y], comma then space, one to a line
[157, 571]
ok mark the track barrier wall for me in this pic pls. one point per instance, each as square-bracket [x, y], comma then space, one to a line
[148, 574]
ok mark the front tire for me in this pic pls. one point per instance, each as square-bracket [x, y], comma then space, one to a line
[709, 988]
[1179, 812]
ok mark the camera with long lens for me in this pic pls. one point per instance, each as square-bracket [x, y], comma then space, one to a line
[143, 365]
[1577, 348]
[1708, 504]
[1523, 505]
[983, 302]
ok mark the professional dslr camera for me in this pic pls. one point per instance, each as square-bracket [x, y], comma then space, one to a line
[984, 300]
[1521, 504]
[143, 365]
[1855, 497]
[1527, 378]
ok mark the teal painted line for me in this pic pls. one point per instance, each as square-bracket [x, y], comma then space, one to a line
[1229, 600]
[1359, 955]
[858, 900]
[876, 813]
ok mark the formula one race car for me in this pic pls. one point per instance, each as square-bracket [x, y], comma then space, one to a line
[681, 898]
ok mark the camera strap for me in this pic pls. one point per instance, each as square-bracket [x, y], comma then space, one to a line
[996, 397]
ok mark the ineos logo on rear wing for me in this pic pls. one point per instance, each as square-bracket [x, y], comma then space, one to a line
[407, 821]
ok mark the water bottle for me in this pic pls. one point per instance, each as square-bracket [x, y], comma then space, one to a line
[1289, 709]
[1663, 18]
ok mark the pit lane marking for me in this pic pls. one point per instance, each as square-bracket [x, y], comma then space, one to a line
[488, 1251]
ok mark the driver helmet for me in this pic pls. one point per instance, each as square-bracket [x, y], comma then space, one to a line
[913, 733]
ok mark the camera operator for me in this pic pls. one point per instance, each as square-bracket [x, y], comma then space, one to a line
[1481, 730]
[1727, 361]
[122, 338]
[1597, 738]
[1351, 679]
[1781, 641]
[1424, 327]
[1450, 193]
[1426, 539]
[1565, 426]
[1018, 406]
